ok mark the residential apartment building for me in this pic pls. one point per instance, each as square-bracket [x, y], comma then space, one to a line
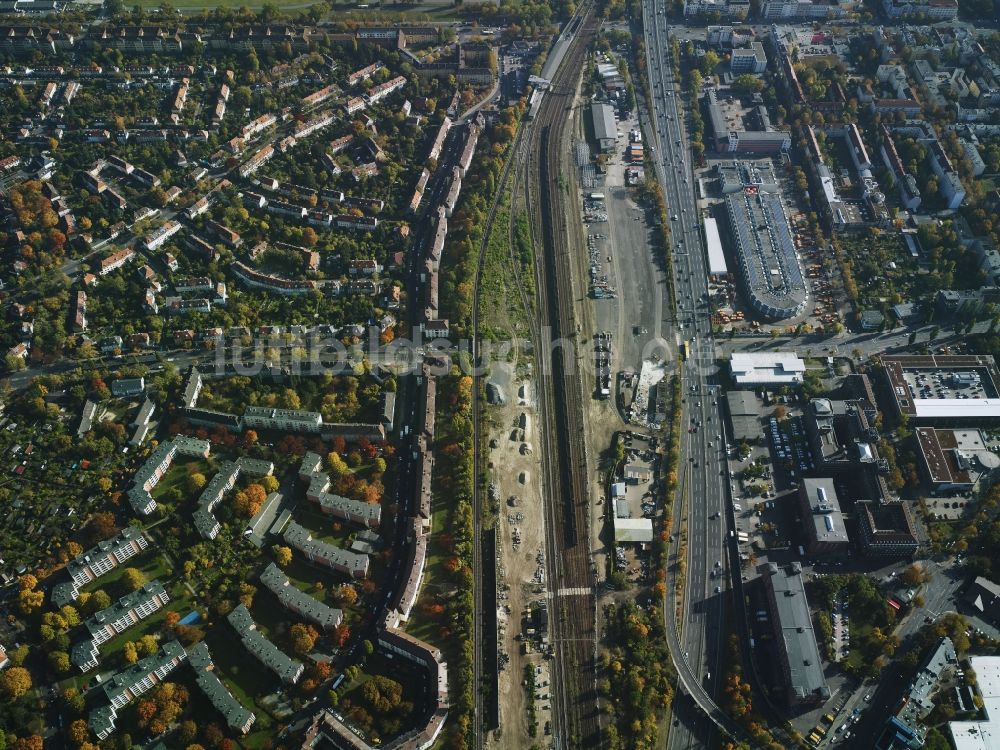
[119, 617]
[115, 261]
[284, 420]
[295, 600]
[129, 684]
[156, 466]
[98, 561]
[286, 668]
[354, 511]
[238, 718]
[341, 560]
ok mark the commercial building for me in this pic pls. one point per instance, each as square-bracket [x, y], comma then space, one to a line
[753, 369]
[954, 461]
[287, 668]
[772, 279]
[822, 516]
[984, 597]
[981, 734]
[933, 10]
[785, 10]
[238, 718]
[799, 664]
[729, 140]
[752, 59]
[605, 128]
[295, 600]
[943, 389]
[885, 529]
[905, 729]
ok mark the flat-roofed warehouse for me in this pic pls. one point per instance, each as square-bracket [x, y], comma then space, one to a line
[717, 267]
[766, 368]
[944, 390]
[744, 414]
[605, 127]
[772, 278]
[799, 663]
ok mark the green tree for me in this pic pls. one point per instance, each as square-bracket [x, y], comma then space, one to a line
[59, 661]
[15, 682]
[282, 555]
[133, 579]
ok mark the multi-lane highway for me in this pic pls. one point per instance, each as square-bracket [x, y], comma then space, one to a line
[702, 477]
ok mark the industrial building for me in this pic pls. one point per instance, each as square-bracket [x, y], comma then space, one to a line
[605, 127]
[772, 279]
[717, 268]
[791, 625]
[744, 415]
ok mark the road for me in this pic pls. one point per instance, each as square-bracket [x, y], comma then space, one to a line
[702, 451]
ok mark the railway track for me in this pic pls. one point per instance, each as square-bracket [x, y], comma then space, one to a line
[572, 602]
[535, 165]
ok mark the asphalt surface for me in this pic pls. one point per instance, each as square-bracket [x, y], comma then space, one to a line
[702, 451]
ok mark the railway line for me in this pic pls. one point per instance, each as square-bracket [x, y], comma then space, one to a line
[536, 166]
[572, 602]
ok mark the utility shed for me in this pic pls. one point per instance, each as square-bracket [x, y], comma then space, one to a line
[605, 128]
[633, 531]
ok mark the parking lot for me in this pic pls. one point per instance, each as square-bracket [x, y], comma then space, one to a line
[841, 627]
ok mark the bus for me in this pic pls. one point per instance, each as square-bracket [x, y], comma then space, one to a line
[686, 350]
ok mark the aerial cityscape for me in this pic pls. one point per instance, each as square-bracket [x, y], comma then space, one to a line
[517, 376]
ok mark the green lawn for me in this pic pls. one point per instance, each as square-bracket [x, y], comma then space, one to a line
[303, 575]
[435, 578]
[111, 652]
[246, 678]
[412, 680]
[177, 475]
[150, 563]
